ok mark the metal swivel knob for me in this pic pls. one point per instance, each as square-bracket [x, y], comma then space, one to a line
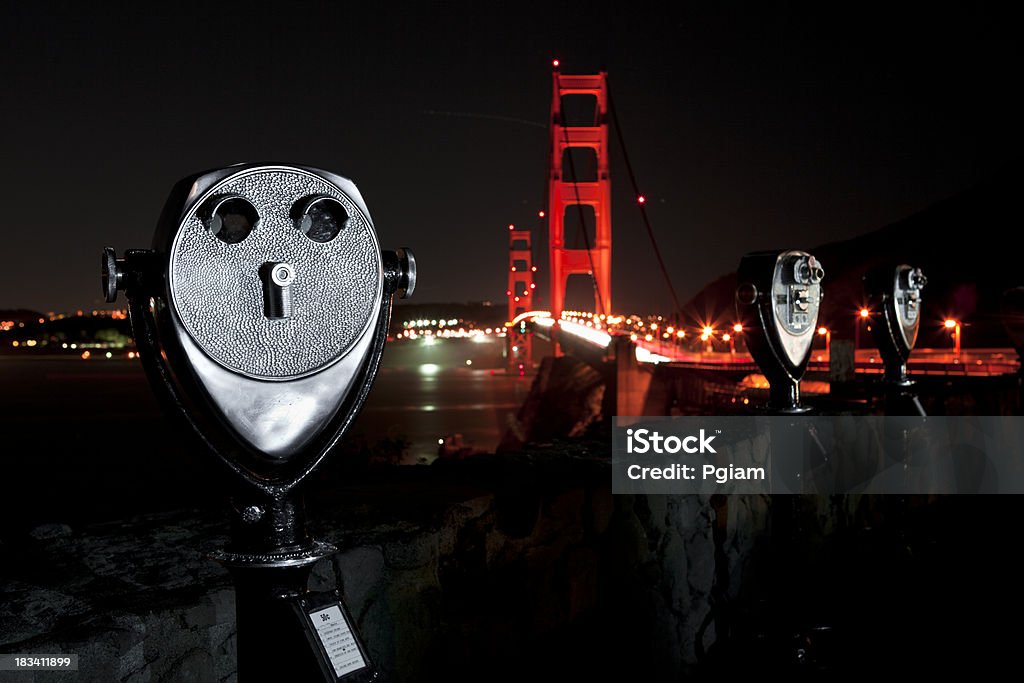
[113, 274]
[407, 282]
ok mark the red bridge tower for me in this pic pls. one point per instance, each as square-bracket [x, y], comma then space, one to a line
[520, 297]
[564, 194]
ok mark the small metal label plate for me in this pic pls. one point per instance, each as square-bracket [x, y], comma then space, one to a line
[337, 639]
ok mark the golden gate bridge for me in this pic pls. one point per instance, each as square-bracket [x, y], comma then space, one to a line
[649, 339]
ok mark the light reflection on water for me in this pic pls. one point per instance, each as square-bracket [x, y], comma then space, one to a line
[425, 393]
[57, 396]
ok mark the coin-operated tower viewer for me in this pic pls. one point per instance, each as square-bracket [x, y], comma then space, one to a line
[894, 293]
[778, 297]
[260, 315]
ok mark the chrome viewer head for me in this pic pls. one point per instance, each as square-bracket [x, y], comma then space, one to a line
[895, 292]
[261, 312]
[777, 298]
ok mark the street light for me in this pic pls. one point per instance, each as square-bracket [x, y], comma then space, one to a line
[705, 336]
[954, 325]
[737, 330]
[827, 334]
[863, 314]
[732, 342]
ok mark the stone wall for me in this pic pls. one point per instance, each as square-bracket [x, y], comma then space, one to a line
[137, 601]
[471, 570]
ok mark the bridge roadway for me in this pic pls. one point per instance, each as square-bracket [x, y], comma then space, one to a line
[980, 362]
[973, 362]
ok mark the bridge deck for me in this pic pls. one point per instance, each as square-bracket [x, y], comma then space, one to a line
[973, 362]
[978, 362]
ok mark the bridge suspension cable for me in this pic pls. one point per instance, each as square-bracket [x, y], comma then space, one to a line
[640, 201]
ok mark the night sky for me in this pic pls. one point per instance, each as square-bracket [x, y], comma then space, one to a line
[748, 128]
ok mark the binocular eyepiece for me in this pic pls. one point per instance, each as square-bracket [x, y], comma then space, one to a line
[807, 270]
[912, 279]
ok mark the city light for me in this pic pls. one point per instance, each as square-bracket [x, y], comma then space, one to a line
[827, 334]
[864, 314]
[599, 329]
[953, 324]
